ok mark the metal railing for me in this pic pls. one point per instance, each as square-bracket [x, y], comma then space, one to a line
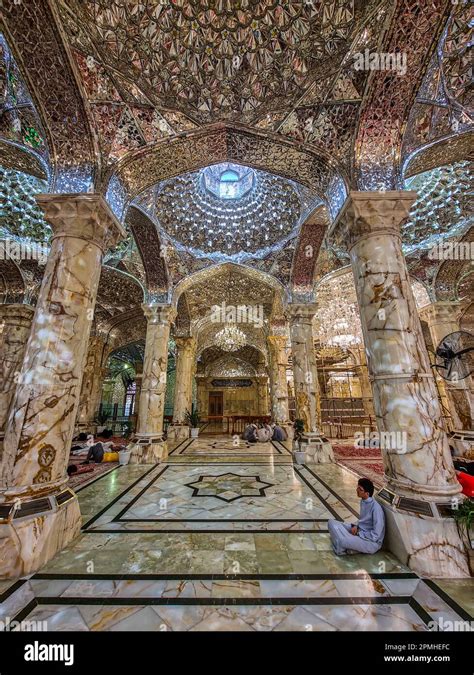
[343, 428]
[232, 424]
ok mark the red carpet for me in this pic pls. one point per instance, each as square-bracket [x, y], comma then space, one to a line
[366, 462]
[76, 481]
[82, 479]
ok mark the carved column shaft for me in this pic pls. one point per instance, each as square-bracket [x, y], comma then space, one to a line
[91, 388]
[41, 420]
[405, 395]
[304, 366]
[419, 471]
[148, 446]
[15, 326]
[365, 387]
[138, 367]
[278, 385]
[183, 395]
[262, 394]
[152, 395]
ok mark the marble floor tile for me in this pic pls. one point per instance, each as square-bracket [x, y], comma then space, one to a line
[274, 562]
[50, 588]
[241, 562]
[59, 618]
[308, 588]
[16, 601]
[207, 562]
[178, 534]
[234, 588]
[103, 617]
[401, 586]
[436, 607]
[145, 619]
[460, 590]
[363, 587]
[300, 619]
[239, 542]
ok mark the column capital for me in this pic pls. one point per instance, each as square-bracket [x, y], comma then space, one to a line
[442, 311]
[16, 314]
[83, 216]
[185, 344]
[366, 213]
[158, 313]
[302, 311]
[277, 341]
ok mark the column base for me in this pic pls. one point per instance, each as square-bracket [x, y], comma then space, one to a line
[462, 442]
[422, 536]
[28, 543]
[178, 432]
[148, 450]
[317, 448]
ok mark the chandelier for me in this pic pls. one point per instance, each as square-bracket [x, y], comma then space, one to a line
[337, 318]
[230, 338]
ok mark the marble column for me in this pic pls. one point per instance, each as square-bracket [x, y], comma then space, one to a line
[148, 445]
[419, 476]
[442, 319]
[41, 419]
[138, 367]
[15, 325]
[365, 386]
[262, 395]
[183, 393]
[202, 395]
[278, 386]
[91, 388]
[305, 374]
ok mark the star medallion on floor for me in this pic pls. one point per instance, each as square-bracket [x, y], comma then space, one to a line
[229, 486]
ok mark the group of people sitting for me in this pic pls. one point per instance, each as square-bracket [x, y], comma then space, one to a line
[92, 451]
[262, 433]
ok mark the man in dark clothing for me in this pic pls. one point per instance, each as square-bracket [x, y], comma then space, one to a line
[96, 454]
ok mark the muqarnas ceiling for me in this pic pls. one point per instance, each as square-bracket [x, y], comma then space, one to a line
[228, 212]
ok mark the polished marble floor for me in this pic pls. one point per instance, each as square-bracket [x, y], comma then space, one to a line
[225, 538]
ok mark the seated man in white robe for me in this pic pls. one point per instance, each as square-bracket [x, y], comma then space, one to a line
[365, 536]
[263, 434]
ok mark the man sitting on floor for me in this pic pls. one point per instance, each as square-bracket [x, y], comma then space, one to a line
[367, 535]
[279, 434]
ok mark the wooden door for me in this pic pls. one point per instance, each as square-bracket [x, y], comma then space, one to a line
[216, 403]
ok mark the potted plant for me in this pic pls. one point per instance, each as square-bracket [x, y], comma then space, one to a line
[464, 516]
[299, 455]
[102, 417]
[193, 419]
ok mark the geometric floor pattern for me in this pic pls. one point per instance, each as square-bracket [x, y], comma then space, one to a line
[229, 486]
[154, 556]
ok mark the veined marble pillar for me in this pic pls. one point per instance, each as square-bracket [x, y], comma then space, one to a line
[148, 446]
[318, 449]
[15, 325]
[138, 367]
[278, 385]
[183, 394]
[365, 387]
[419, 474]
[443, 319]
[41, 419]
[202, 395]
[262, 395]
[91, 388]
